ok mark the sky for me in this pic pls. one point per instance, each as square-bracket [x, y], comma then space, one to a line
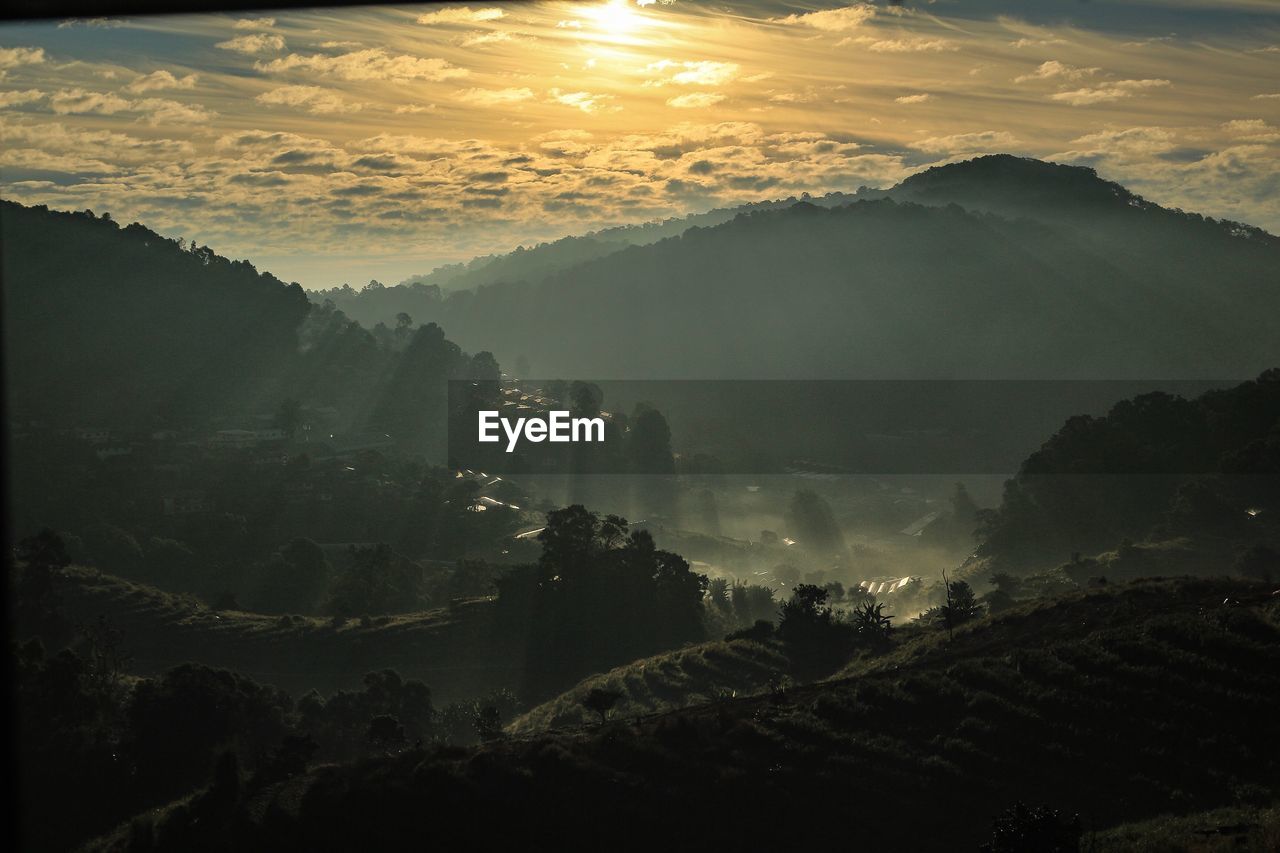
[346, 144]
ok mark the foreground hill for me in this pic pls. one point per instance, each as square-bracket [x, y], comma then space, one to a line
[694, 675]
[1167, 704]
[996, 267]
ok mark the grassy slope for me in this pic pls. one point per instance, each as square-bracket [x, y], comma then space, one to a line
[690, 676]
[449, 648]
[1122, 705]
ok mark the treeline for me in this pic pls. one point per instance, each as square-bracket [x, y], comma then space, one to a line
[1157, 466]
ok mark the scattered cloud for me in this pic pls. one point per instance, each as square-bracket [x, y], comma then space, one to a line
[913, 99]
[1113, 91]
[313, 99]
[915, 44]
[79, 101]
[1055, 70]
[460, 15]
[968, 143]
[370, 64]
[1252, 130]
[495, 97]
[695, 100]
[701, 73]
[91, 23]
[254, 24]
[14, 57]
[585, 101]
[158, 80]
[19, 98]
[838, 20]
[256, 43]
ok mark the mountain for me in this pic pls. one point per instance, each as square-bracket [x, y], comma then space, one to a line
[995, 268]
[420, 295]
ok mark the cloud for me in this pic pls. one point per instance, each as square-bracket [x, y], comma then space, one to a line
[912, 99]
[254, 24]
[160, 80]
[371, 64]
[585, 101]
[1270, 96]
[916, 44]
[1033, 42]
[1252, 130]
[964, 143]
[91, 23]
[407, 109]
[1053, 69]
[837, 20]
[256, 43]
[58, 139]
[17, 99]
[492, 37]
[13, 57]
[1132, 141]
[1113, 91]
[79, 101]
[494, 97]
[695, 100]
[460, 15]
[313, 99]
[701, 73]
[158, 111]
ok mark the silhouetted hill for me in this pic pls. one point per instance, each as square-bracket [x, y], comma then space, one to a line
[1072, 276]
[120, 328]
[1148, 699]
[102, 320]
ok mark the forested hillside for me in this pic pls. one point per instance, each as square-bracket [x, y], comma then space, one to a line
[995, 267]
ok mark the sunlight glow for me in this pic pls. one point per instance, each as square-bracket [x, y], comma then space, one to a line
[616, 16]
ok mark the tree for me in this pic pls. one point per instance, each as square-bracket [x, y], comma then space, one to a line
[871, 624]
[385, 732]
[961, 605]
[601, 700]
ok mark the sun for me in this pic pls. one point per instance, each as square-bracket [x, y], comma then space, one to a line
[618, 17]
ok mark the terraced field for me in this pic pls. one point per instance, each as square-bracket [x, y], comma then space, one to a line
[453, 650]
[690, 676]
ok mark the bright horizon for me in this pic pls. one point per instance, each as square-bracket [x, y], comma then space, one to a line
[340, 145]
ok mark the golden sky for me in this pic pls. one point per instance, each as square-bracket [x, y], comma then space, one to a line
[339, 145]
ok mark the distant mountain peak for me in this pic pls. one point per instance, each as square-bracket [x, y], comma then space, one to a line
[1010, 184]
